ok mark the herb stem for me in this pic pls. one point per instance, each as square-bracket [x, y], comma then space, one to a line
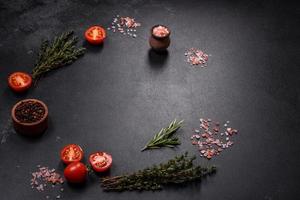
[178, 170]
[61, 52]
[165, 137]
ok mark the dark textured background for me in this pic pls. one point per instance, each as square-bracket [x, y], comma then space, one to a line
[116, 97]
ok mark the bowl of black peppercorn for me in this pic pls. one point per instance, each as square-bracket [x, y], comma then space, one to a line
[30, 117]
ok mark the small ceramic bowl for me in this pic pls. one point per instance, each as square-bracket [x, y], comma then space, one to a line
[30, 129]
[159, 43]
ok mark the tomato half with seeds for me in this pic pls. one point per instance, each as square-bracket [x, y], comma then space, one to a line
[19, 81]
[76, 172]
[95, 35]
[100, 161]
[71, 153]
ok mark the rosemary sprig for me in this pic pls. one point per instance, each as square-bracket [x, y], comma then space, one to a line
[165, 137]
[178, 170]
[62, 51]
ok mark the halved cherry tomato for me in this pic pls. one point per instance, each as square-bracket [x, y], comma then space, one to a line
[100, 161]
[95, 35]
[71, 153]
[19, 81]
[75, 172]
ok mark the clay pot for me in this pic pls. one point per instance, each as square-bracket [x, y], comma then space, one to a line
[159, 43]
[30, 129]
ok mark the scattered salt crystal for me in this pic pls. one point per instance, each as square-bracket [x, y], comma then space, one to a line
[196, 57]
[210, 144]
[45, 176]
[124, 24]
[216, 129]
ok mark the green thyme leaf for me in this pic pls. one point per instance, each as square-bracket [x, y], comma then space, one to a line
[61, 52]
[178, 170]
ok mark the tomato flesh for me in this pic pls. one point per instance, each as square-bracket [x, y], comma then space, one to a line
[75, 172]
[100, 161]
[95, 35]
[19, 81]
[71, 153]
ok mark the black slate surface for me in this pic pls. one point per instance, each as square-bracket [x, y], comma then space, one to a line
[118, 95]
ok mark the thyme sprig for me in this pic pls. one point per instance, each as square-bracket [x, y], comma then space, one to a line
[62, 51]
[178, 170]
[165, 137]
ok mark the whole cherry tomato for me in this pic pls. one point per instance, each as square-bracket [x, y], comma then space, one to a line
[75, 172]
[19, 81]
[71, 153]
[100, 161]
[95, 35]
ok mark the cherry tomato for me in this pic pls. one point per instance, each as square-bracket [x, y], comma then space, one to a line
[95, 35]
[100, 161]
[19, 81]
[71, 153]
[75, 172]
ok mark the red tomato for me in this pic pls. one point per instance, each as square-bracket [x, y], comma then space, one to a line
[71, 153]
[100, 161]
[19, 81]
[95, 35]
[75, 172]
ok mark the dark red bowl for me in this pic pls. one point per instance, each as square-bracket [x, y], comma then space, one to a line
[30, 129]
[158, 43]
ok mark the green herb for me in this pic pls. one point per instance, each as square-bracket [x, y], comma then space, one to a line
[178, 170]
[165, 137]
[62, 51]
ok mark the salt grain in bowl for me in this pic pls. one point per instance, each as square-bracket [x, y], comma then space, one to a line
[160, 31]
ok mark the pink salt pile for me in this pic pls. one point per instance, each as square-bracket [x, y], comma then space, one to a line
[160, 31]
[212, 138]
[196, 57]
[44, 176]
[124, 25]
